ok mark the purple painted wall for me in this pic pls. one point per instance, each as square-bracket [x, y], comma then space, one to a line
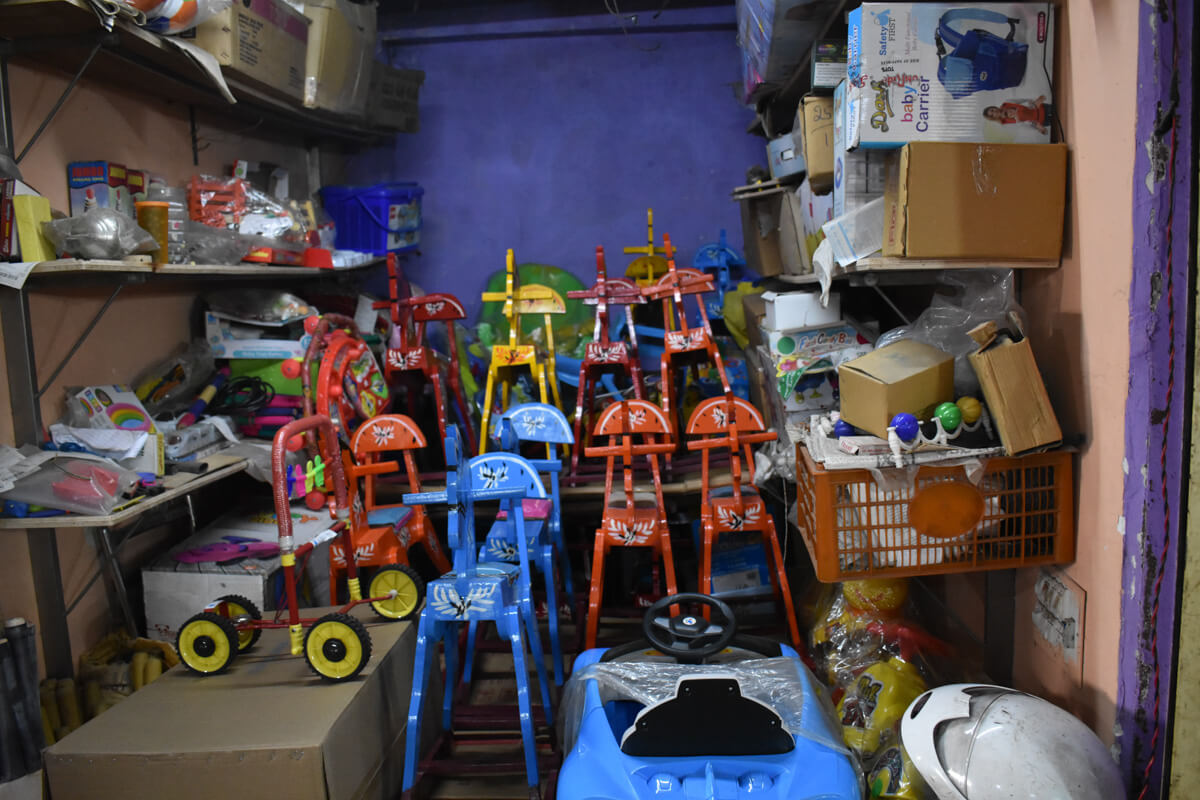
[554, 138]
[1156, 409]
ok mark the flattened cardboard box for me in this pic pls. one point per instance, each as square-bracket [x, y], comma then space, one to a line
[905, 376]
[956, 200]
[262, 41]
[1014, 391]
[268, 727]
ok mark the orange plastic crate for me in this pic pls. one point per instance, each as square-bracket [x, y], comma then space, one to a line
[1020, 513]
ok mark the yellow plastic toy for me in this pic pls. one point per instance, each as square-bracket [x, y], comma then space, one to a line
[871, 709]
[519, 300]
[651, 265]
[855, 604]
[893, 777]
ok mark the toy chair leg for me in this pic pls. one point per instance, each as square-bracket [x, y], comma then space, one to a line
[487, 410]
[597, 589]
[464, 411]
[469, 657]
[709, 540]
[578, 426]
[539, 656]
[635, 374]
[422, 663]
[510, 626]
[547, 566]
[564, 559]
[539, 373]
[668, 560]
[715, 354]
[439, 397]
[781, 572]
[335, 577]
[450, 646]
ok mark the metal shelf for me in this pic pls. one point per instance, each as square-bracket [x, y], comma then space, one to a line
[878, 265]
[61, 33]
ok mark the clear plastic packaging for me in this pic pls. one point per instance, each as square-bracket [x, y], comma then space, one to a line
[776, 682]
[205, 245]
[259, 306]
[75, 482]
[177, 16]
[976, 297]
[98, 233]
[172, 384]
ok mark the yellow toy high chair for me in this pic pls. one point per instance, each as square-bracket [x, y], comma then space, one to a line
[650, 265]
[506, 359]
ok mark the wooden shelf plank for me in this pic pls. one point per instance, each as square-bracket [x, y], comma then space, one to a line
[63, 265]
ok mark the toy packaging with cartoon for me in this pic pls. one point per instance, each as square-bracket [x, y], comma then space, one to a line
[950, 73]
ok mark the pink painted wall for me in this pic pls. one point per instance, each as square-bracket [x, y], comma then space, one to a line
[1080, 333]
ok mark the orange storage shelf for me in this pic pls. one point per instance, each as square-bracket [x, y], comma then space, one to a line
[1019, 513]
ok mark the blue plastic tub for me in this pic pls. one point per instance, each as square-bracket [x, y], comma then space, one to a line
[380, 219]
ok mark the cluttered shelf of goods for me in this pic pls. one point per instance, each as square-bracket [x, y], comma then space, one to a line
[248, 63]
[700, 484]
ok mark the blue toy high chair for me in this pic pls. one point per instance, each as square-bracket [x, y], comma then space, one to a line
[544, 424]
[476, 591]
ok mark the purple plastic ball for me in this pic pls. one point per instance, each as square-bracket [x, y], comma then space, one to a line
[906, 426]
[843, 428]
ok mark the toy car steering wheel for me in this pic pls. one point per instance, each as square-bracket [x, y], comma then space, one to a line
[689, 638]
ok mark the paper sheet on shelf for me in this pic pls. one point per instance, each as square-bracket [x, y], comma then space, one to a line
[13, 275]
[857, 234]
[207, 63]
[115, 444]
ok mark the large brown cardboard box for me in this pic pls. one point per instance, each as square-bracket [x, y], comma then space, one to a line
[976, 201]
[341, 56]
[262, 42]
[904, 376]
[815, 118]
[773, 233]
[393, 98]
[1013, 388]
[267, 727]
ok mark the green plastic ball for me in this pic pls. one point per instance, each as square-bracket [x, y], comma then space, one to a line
[950, 415]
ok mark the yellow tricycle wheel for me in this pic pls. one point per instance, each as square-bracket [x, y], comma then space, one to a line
[337, 647]
[408, 587]
[237, 608]
[207, 643]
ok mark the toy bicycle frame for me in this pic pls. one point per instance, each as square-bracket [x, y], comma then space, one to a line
[340, 506]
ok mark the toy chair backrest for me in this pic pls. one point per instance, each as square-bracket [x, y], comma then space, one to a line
[383, 434]
[535, 422]
[728, 423]
[326, 437]
[621, 422]
[534, 298]
[646, 269]
[499, 471]
[520, 300]
[436, 307]
[632, 417]
[604, 292]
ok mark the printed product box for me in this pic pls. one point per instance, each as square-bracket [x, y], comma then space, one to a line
[261, 41]
[828, 67]
[107, 182]
[859, 176]
[805, 359]
[950, 72]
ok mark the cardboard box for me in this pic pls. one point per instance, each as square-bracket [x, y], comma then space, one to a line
[773, 233]
[905, 376]
[755, 309]
[267, 727]
[394, 96]
[800, 309]
[1014, 390]
[262, 42]
[785, 157]
[991, 83]
[340, 56]
[859, 176]
[955, 200]
[815, 118]
[105, 179]
[805, 360]
[173, 590]
[828, 67]
[232, 339]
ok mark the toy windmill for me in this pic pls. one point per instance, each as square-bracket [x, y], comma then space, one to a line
[602, 354]
[650, 264]
[506, 359]
[681, 342]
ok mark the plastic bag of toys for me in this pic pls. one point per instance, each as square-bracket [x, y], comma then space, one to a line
[176, 16]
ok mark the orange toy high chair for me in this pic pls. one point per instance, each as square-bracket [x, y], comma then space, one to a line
[506, 359]
[682, 344]
[383, 535]
[732, 424]
[632, 518]
[602, 354]
[408, 351]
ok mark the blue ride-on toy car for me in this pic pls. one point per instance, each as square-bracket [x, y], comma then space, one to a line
[696, 711]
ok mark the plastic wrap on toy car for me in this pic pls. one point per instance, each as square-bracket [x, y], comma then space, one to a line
[771, 681]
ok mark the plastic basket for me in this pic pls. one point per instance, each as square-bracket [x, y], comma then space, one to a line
[1019, 513]
[380, 219]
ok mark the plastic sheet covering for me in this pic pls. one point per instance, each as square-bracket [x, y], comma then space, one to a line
[784, 684]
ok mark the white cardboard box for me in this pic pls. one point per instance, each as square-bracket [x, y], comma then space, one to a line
[174, 591]
[858, 175]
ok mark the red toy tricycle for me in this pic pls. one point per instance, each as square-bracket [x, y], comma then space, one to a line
[336, 646]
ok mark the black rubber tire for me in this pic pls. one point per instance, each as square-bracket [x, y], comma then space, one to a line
[194, 661]
[244, 642]
[330, 667]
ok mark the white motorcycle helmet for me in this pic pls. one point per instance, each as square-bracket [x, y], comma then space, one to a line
[979, 742]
